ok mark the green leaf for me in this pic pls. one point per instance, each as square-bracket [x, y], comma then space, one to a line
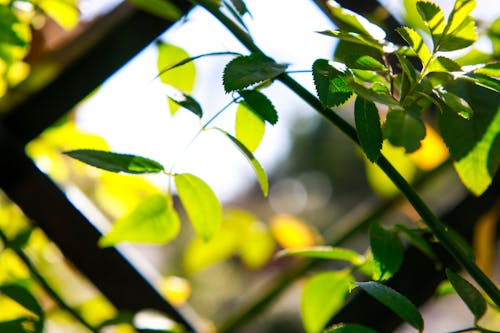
[202, 206]
[387, 251]
[349, 328]
[240, 6]
[326, 252]
[236, 12]
[161, 8]
[153, 221]
[191, 59]
[494, 35]
[244, 71]
[10, 25]
[348, 20]
[364, 62]
[443, 64]
[323, 295]
[116, 162]
[64, 12]
[250, 127]
[465, 35]
[182, 99]
[417, 240]
[18, 325]
[409, 78]
[394, 301]
[21, 239]
[404, 129]
[485, 81]
[355, 38]
[474, 144]
[416, 43]
[331, 83]
[260, 105]
[492, 69]
[259, 171]
[182, 78]
[23, 297]
[368, 127]
[468, 293]
[458, 15]
[433, 18]
[377, 93]
[455, 103]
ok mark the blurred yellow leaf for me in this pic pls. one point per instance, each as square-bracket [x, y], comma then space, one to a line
[17, 72]
[97, 309]
[432, 151]
[175, 289]
[10, 310]
[12, 268]
[64, 12]
[291, 232]
[377, 179]
[484, 239]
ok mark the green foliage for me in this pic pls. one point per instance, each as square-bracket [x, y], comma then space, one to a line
[259, 170]
[326, 252]
[201, 205]
[387, 251]
[24, 298]
[331, 83]
[153, 221]
[404, 129]
[244, 71]
[416, 43]
[368, 126]
[349, 21]
[433, 17]
[161, 8]
[349, 328]
[116, 162]
[249, 127]
[186, 101]
[394, 301]
[323, 295]
[260, 105]
[468, 293]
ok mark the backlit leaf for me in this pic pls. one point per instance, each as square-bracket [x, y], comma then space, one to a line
[364, 62]
[433, 18]
[468, 293]
[175, 289]
[23, 297]
[404, 129]
[325, 252]
[154, 221]
[182, 77]
[250, 127]
[116, 162]
[465, 35]
[200, 203]
[244, 71]
[394, 301]
[161, 8]
[64, 12]
[459, 14]
[377, 93]
[353, 37]
[474, 143]
[349, 328]
[485, 81]
[492, 69]
[443, 64]
[323, 295]
[292, 233]
[259, 171]
[260, 105]
[331, 83]
[368, 127]
[416, 43]
[457, 104]
[387, 251]
[182, 99]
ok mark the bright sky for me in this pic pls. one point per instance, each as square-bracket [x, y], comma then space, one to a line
[131, 112]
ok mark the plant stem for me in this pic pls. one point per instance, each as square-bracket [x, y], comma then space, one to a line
[468, 329]
[46, 286]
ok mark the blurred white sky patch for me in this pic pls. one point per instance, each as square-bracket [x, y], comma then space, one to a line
[130, 110]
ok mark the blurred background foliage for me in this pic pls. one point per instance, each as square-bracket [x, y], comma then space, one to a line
[322, 183]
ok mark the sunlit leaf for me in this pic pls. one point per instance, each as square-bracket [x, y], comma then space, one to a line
[432, 151]
[182, 77]
[459, 14]
[331, 83]
[23, 297]
[348, 20]
[353, 37]
[323, 295]
[443, 64]
[185, 100]
[153, 221]
[260, 105]
[164, 9]
[249, 127]
[492, 69]
[201, 205]
[349, 328]
[394, 301]
[116, 162]
[416, 42]
[377, 93]
[387, 251]
[244, 71]
[259, 171]
[456, 104]
[364, 62]
[292, 233]
[484, 81]
[433, 18]
[368, 127]
[325, 252]
[175, 289]
[404, 129]
[474, 143]
[64, 12]
[465, 35]
[468, 293]
[494, 34]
